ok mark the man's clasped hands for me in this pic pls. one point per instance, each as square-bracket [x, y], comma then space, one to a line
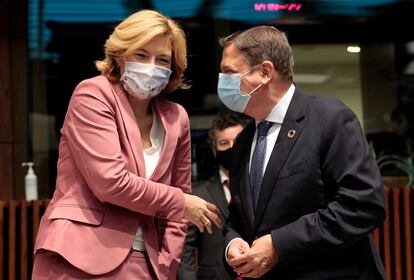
[254, 261]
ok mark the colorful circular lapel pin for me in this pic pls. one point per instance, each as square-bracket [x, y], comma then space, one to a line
[291, 133]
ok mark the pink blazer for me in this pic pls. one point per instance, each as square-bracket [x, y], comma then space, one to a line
[101, 198]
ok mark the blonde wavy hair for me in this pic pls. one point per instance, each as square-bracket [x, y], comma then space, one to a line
[136, 31]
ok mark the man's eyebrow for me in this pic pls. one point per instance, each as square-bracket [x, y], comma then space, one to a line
[226, 68]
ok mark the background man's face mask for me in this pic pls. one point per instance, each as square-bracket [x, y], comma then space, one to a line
[224, 158]
[144, 80]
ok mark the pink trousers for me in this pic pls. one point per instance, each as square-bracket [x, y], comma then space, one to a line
[49, 265]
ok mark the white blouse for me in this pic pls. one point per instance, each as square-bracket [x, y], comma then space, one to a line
[151, 157]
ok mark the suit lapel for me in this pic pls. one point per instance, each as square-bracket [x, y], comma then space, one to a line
[171, 130]
[283, 147]
[131, 127]
[216, 191]
[171, 133]
[241, 178]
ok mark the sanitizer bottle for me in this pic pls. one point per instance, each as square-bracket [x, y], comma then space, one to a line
[30, 182]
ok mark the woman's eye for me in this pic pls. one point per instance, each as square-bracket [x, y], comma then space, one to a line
[164, 60]
[141, 55]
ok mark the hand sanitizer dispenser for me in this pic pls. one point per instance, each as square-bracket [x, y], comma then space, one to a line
[30, 182]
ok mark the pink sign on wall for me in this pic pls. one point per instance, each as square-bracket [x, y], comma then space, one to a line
[259, 7]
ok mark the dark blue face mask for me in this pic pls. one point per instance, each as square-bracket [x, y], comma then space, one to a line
[224, 158]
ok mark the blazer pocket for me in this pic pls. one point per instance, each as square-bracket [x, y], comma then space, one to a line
[292, 169]
[77, 214]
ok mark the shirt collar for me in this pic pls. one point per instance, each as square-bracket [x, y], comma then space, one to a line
[223, 176]
[278, 112]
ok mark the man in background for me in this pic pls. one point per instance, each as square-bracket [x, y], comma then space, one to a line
[402, 125]
[207, 263]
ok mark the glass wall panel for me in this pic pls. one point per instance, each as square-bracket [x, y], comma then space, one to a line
[67, 36]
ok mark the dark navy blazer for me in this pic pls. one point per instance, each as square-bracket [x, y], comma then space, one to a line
[321, 195]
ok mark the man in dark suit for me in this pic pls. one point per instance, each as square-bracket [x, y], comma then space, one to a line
[208, 262]
[306, 192]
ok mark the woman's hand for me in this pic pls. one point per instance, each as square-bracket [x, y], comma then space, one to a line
[201, 213]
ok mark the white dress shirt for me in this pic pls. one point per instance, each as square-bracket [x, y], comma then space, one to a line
[224, 177]
[277, 115]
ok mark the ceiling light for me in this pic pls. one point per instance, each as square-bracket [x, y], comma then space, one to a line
[353, 49]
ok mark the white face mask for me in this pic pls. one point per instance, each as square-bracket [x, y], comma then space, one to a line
[144, 80]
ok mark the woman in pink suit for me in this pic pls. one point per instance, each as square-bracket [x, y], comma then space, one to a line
[124, 171]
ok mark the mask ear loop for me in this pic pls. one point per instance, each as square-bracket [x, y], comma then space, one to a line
[125, 62]
[251, 92]
[252, 69]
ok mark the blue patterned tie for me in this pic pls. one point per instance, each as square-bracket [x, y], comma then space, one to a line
[256, 166]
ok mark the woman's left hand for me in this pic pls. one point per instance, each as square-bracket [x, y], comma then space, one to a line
[201, 213]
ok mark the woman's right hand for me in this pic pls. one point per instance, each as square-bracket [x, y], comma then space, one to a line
[201, 213]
